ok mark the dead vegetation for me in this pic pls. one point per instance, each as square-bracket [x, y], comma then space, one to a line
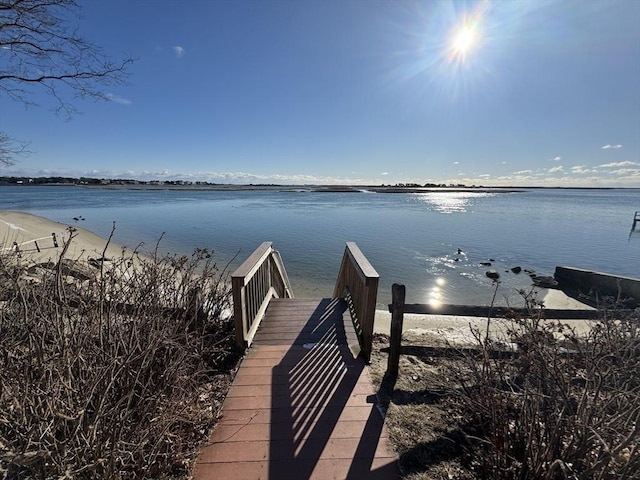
[115, 370]
[555, 406]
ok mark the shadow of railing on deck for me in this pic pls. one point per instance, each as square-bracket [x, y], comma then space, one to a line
[322, 419]
[263, 276]
[317, 382]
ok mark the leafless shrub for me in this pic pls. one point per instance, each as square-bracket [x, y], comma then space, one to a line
[113, 376]
[563, 407]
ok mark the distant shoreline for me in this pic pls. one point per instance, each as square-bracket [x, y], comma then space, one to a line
[304, 188]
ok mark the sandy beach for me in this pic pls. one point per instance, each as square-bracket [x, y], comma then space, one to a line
[25, 230]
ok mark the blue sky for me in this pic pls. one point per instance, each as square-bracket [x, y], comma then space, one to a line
[360, 92]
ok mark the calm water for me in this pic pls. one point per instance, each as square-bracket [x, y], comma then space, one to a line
[409, 238]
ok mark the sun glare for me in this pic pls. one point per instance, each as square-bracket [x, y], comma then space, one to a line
[464, 40]
[452, 49]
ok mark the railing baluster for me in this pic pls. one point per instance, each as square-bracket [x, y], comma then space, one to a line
[254, 283]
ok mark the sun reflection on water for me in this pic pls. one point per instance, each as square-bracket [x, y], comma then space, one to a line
[436, 295]
[450, 202]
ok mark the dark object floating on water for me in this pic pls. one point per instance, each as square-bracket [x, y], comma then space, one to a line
[459, 251]
[491, 260]
[485, 264]
[492, 274]
[516, 269]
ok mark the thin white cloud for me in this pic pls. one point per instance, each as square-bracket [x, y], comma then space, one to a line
[582, 169]
[112, 97]
[245, 178]
[627, 178]
[606, 147]
[557, 169]
[179, 51]
[618, 164]
[485, 175]
[557, 158]
[456, 163]
[384, 173]
[523, 172]
[627, 172]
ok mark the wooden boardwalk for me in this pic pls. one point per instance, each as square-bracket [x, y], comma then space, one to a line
[302, 405]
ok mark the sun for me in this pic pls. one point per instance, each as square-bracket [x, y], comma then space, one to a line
[464, 40]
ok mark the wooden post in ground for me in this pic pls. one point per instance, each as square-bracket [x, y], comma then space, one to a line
[395, 338]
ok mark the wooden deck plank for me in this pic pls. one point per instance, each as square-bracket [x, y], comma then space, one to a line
[379, 469]
[271, 449]
[302, 405]
[283, 415]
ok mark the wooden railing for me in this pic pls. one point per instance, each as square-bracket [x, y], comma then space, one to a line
[358, 284]
[259, 279]
[398, 308]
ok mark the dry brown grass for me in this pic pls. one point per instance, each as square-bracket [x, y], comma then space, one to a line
[112, 371]
[562, 406]
[423, 429]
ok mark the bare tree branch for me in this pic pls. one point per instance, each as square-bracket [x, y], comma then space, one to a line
[10, 148]
[41, 49]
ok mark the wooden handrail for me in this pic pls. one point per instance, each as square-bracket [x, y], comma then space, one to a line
[398, 308]
[499, 312]
[358, 283]
[260, 278]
